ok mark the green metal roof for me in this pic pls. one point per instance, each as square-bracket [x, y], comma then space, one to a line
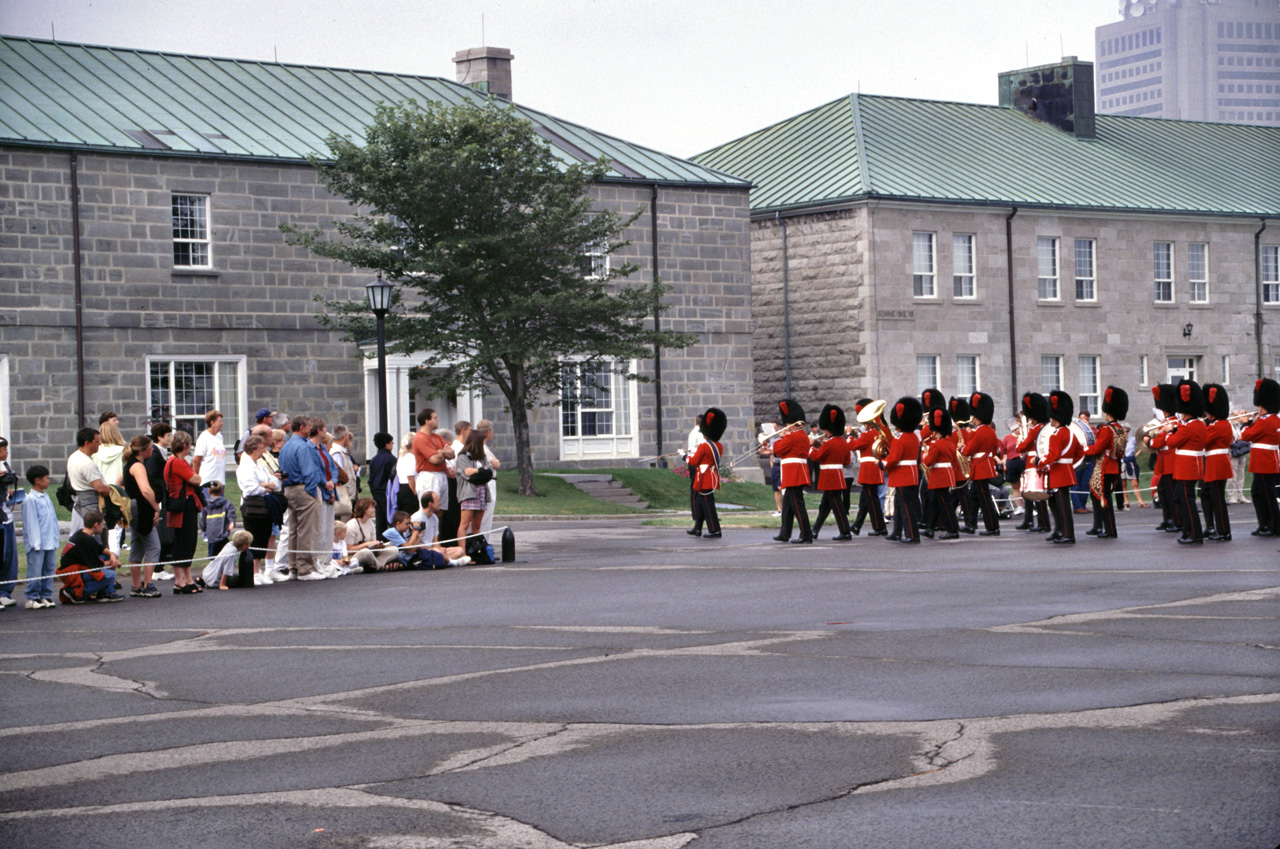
[54, 94]
[864, 146]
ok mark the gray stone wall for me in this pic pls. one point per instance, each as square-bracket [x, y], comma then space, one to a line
[258, 301]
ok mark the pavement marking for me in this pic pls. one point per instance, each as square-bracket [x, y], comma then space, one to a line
[1053, 623]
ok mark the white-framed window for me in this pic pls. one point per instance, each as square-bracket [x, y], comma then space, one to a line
[191, 242]
[1198, 272]
[595, 262]
[598, 409]
[182, 391]
[926, 371]
[968, 380]
[962, 265]
[1050, 373]
[1162, 271]
[1142, 371]
[1271, 274]
[1090, 384]
[923, 265]
[1047, 268]
[1226, 370]
[1181, 368]
[1086, 270]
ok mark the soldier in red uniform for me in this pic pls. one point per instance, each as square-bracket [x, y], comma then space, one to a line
[704, 468]
[1035, 409]
[1186, 441]
[1264, 456]
[1059, 465]
[940, 458]
[961, 430]
[981, 445]
[1107, 448]
[792, 452]
[1162, 477]
[1217, 464]
[832, 456]
[930, 400]
[902, 468]
[870, 478]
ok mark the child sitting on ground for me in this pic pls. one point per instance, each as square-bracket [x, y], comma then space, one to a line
[87, 568]
[217, 519]
[228, 562]
[341, 557]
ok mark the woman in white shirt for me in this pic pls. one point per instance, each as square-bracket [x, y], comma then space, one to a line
[406, 470]
[363, 545]
[255, 482]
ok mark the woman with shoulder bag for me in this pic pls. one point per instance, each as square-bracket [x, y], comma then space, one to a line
[145, 549]
[474, 473]
[255, 483]
[183, 501]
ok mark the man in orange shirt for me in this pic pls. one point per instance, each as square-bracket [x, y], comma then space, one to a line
[431, 451]
[792, 452]
[902, 467]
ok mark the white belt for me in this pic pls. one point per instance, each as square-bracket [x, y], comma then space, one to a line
[868, 460]
[703, 468]
[1182, 453]
[1064, 462]
[1217, 452]
[907, 463]
[940, 466]
[831, 466]
[1256, 447]
[981, 455]
[787, 460]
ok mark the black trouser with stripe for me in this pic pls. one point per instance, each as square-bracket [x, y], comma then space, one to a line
[793, 510]
[1064, 523]
[704, 510]
[980, 496]
[1165, 490]
[906, 513]
[962, 497]
[869, 504]
[926, 504]
[944, 509]
[833, 503]
[849, 484]
[1104, 509]
[1263, 493]
[1186, 510]
[1213, 496]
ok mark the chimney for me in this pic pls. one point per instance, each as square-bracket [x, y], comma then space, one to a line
[486, 69]
[1059, 94]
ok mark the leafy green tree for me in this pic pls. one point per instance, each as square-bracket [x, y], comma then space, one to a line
[483, 229]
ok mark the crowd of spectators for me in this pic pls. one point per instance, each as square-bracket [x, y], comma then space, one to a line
[300, 514]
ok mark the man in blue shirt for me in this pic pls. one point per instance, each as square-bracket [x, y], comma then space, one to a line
[303, 479]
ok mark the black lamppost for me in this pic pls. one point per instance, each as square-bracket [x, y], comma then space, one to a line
[379, 293]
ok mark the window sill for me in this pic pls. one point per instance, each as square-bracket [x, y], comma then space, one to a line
[1200, 305]
[1088, 305]
[1052, 304]
[1165, 305]
[967, 302]
[926, 299]
[196, 272]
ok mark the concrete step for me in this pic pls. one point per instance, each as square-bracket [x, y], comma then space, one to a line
[605, 488]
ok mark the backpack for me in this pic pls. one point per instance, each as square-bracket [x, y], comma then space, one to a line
[65, 494]
[478, 551]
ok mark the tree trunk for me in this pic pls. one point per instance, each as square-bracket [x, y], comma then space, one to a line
[520, 422]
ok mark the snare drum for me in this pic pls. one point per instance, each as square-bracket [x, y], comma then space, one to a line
[1035, 485]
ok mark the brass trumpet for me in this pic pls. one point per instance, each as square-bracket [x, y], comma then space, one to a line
[873, 414]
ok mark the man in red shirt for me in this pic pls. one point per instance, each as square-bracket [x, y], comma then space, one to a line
[431, 451]
[1059, 465]
[1217, 464]
[1186, 441]
[1264, 456]
[981, 445]
[1162, 475]
[902, 468]
[1110, 436]
[870, 478]
[941, 460]
[792, 452]
[832, 456]
[1035, 410]
[704, 469]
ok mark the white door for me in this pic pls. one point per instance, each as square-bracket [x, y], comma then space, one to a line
[1182, 368]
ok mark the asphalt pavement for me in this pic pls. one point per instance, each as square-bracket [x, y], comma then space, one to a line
[632, 687]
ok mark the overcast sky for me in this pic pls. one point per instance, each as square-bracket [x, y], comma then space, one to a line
[680, 76]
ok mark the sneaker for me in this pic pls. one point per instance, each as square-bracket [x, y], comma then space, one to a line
[163, 576]
[149, 591]
[107, 598]
[67, 597]
[136, 592]
[461, 561]
[283, 577]
[5, 601]
[317, 575]
[34, 604]
[47, 603]
[776, 513]
[262, 578]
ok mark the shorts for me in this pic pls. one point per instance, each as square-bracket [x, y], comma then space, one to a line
[477, 501]
[1013, 469]
[1129, 469]
[775, 476]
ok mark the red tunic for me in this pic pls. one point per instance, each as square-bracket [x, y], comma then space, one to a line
[1264, 433]
[1160, 446]
[1217, 456]
[706, 474]
[954, 439]
[1101, 448]
[1187, 443]
[981, 446]
[793, 452]
[1063, 448]
[868, 465]
[832, 457]
[942, 463]
[1028, 445]
[901, 464]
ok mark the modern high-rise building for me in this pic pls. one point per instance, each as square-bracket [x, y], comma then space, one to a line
[1195, 60]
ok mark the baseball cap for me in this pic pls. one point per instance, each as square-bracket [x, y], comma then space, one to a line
[262, 414]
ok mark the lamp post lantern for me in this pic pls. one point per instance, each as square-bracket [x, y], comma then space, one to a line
[379, 293]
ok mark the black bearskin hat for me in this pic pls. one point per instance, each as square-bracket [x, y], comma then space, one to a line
[933, 399]
[906, 414]
[983, 407]
[1061, 407]
[1165, 396]
[959, 409]
[1190, 399]
[1115, 403]
[1035, 407]
[1266, 394]
[832, 420]
[791, 411]
[1216, 402]
[713, 424]
[859, 404]
[940, 422]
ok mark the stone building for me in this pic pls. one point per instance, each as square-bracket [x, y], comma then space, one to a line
[1195, 60]
[142, 269]
[1083, 251]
